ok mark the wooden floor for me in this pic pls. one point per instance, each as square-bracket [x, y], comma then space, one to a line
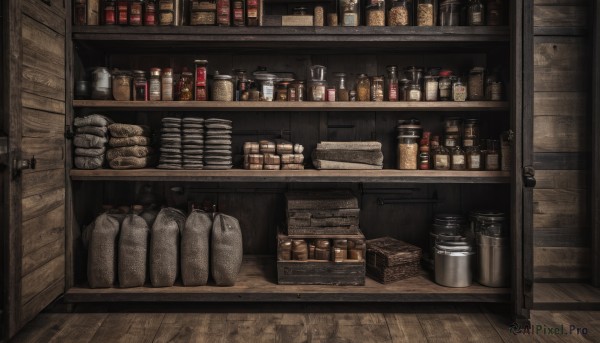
[566, 296]
[252, 323]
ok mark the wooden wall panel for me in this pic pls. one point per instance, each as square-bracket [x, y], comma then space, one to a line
[560, 16]
[44, 229]
[561, 263]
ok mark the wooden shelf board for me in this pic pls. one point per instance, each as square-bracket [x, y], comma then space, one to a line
[257, 283]
[307, 175]
[292, 106]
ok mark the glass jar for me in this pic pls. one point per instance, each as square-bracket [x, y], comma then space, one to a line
[332, 19]
[471, 133]
[281, 93]
[140, 86]
[473, 158]
[341, 92]
[239, 13]
[399, 13]
[408, 152]
[495, 13]
[166, 12]
[475, 85]
[266, 86]
[319, 16]
[431, 88]
[222, 88]
[203, 12]
[184, 91]
[459, 91]
[445, 85]
[441, 158]
[241, 84]
[352, 95]
[136, 8]
[377, 88]
[363, 88]
[223, 13]
[167, 85]
[330, 94]
[450, 13]
[492, 155]
[403, 88]
[110, 12]
[424, 152]
[297, 91]
[414, 93]
[391, 83]
[121, 10]
[252, 12]
[101, 84]
[414, 74]
[376, 13]
[476, 13]
[150, 13]
[154, 91]
[121, 86]
[434, 142]
[349, 12]
[495, 91]
[317, 90]
[425, 11]
[200, 80]
[80, 12]
[458, 159]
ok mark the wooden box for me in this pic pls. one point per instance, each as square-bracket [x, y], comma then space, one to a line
[320, 272]
[390, 260]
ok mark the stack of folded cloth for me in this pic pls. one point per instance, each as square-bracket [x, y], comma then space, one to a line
[90, 141]
[171, 153]
[130, 147]
[217, 146]
[348, 155]
[192, 141]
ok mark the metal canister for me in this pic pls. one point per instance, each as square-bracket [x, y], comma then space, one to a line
[493, 260]
[453, 264]
[101, 84]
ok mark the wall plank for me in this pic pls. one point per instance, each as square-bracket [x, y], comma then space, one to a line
[560, 16]
[40, 257]
[42, 124]
[43, 230]
[561, 263]
[39, 204]
[572, 104]
[49, 152]
[35, 282]
[42, 181]
[560, 134]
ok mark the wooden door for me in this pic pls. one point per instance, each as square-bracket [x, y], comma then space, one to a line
[34, 121]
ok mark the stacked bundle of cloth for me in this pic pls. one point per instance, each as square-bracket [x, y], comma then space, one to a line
[129, 147]
[90, 141]
[348, 155]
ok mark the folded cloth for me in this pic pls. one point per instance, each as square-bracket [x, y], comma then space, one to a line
[129, 141]
[321, 164]
[85, 140]
[128, 130]
[351, 156]
[90, 152]
[93, 130]
[85, 162]
[129, 151]
[92, 120]
[131, 162]
[364, 146]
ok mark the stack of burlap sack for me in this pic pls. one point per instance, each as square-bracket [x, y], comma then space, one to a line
[90, 141]
[129, 147]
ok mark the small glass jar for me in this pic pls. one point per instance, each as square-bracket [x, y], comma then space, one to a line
[458, 159]
[445, 85]
[492, 155]
[121, 86]
[425, 11]
[122, 14]
[317, 90]
[281, 92]
[167, 85]
[223, 13]
[101, 84]
[377, 88]
[150, 13]
[110, 12]
[239, 13]
[363, 88]
[330, 94]
[441, 158]
[495, 13]
[476, 84]
[184, 91]
[200, 82]
[403, 88]
[408, 152]
[399, 13]
[495, 91]
[391, 84]
[476, 13]
[414, 93]
[266, 86]
[471, 133]
[136, 9]
[450, 13]
[473, 158]
[431, 88]
[154, 89]
[297, 91]
[240, 83]
[341, 92]
[319, 16]
[349, 12]
[376, 13]
[459, 91]
[80, 13]
[222, 88]
[352, 95]
[140, 86]
[332, 19]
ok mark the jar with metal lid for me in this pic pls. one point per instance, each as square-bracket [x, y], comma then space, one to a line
[495, 12]
[414, 93]
[222, 88]
[476, 13]
[431, 88]
[167, 85]
[150, 13]
[121, 86]
[317, 90]
[403, 89]
[452, 125]
[352, 95]
[459, 91]
[445, 85]
[341, 92]
[319, 16]
[223, 12]
[376, 13]
[471, 133]
[184, 91]
[450, 13]
[349, 12]
[154, 89]
[492, 155]
[377, 88]
[425, 11]
[414, 74]
[135, 12]
[296, 91]
[399, 13]
[101, 84]
[458, 159]
[476, 84]
[281, 92]
[477, 217]
[140, 86]
[391, 83]
[441, 158]
[363, 88]
[239, 13]
[454, 264]
[473, 158]
[266, 86]
[494, 226]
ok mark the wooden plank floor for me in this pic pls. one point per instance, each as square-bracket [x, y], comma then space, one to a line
[566, 296]
[289, 323]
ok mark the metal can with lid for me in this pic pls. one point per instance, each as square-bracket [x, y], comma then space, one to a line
[454, 264]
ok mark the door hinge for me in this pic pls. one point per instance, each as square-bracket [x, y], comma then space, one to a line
[69, 133]
[529, 180]
[19, 165]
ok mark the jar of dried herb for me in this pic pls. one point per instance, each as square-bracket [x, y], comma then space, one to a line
[376, 13]
[363, 88]
[121, 86]
[441, 158]
[425, 10]
[399, 13]
[458, 159]
[377, 88]
[475, 84]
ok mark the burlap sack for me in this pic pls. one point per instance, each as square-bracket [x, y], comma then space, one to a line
[92, 120]
[133, 251]
[102, 252]
[128, 130]
[195, 242]
[84, 162]
[226, 250]
[164, 247]
[128, 162]
[93, 130]
[116, 142]
[129, 151]
[90, 152]
[85, 140]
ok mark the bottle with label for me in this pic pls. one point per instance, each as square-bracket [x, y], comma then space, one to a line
[239, 13]
[459, 91]
[391, 84]
[492, 156]
[424, 155]
[109, 12]
[252, 15]
[458, 159]
[441, 158]
[167, 85]
[473, 158]
[150, 13]
[135, 12]
[471, 133]
[122, 15]
[431, 88]
[349, 12]
[200, 80]
[140, 86]
[154, 86]
[223, 11]
[377, 88]
[414, 93]
[445, 85]
[476, 13]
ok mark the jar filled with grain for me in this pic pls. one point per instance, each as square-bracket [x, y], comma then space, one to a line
[458, 160]
[319, 18]
[431, 88]
[473, 158]
[332, 19]
[441, 158]
[399, 13]
[409, 133]
[459, 91]
[476, 13]
[425, 12]
[154, 85]
[341, 91]
[121, 86]
[167, 85]
[349, 12]
[377, 88]
[471, 133]
[376, 13]
[281, 91]
[445, 85]
[222, 88]
[475, 84]
[391, 83]
[363, 88]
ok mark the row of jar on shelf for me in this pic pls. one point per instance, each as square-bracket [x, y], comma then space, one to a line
[410, 84]
[253, 13]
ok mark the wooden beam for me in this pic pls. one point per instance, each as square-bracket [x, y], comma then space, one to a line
[595, 189]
